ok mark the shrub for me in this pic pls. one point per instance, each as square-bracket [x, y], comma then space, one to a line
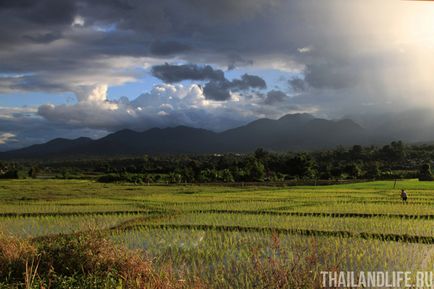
[93, 255]
[425, 173]
[124, 177]
[77, 261]
[10, 174]
[14, 254]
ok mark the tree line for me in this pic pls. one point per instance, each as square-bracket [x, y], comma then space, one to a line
[392, 161]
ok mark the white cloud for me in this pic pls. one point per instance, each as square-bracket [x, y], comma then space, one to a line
[7, 137]
[16, 112]
[97, 96]
[305, 49]
[162, 113]
[91, 110]
[165, 105]
[78, 21]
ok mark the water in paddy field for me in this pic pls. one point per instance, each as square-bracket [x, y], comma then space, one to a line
[203, 252]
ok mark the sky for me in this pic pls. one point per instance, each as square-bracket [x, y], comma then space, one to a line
[76, 68]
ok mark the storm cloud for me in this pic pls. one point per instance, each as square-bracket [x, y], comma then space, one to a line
[177, 73]
[221, 90]
[217, 88]
[242, 60]
[275, 96]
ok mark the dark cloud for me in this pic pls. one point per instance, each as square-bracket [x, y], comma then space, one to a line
[28, 83]
[275, 96]
[45, 12]
[93, 32]
[341, 56]
[217, 88]
[297, 84]
[330, 75]
[235, 60]
[220, 90]
[165, 48]
[7, 4]
[176, 73]
[44, 37]
[200, 31]
[248, 81]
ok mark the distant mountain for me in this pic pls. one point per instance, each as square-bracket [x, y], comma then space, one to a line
[291, 132]
[56, 146]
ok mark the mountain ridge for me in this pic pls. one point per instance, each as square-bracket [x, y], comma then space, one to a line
[290, 132]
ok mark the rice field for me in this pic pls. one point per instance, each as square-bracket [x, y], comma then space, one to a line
[225, 236]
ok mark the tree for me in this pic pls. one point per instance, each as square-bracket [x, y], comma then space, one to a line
[10, 174]
[260, 154]
[356, 152]
[353, 170]
[227, 176]
[336, 171]
[394, 152]
[275, 177]
[398, 149]
[208, 175]
[302, 166]
[425, 173]
[240, 174]
[256, 170]
[373, 170]
[147, 178]
[33, 172]
[325, 172]
[175, 178]
[187, 174]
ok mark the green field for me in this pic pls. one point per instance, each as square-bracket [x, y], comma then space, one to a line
[225, 236]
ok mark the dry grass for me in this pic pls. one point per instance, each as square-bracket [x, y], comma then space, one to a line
[15, 256]
[45, 263]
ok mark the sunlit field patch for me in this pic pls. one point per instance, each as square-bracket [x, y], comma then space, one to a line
[224, 235]
[41, 226]
[231, 256]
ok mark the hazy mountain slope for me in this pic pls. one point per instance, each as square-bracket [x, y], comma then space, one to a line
[291, 132]
[58, 146]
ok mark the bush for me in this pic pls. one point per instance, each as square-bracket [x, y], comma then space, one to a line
[14, 255]
[92, 255]
[77, 261]
[425, 173]
[124, 177]
[10, 174]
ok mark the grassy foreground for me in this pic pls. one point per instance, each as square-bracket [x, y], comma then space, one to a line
[83, 234]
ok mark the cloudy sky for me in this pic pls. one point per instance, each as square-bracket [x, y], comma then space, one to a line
[74, 68]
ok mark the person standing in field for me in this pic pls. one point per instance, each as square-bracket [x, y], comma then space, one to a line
[404, 196]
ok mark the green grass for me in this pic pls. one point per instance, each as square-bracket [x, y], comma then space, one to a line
[222, 235]
[42, 226]
[412, 184]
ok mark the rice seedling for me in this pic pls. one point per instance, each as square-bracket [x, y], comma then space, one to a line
[235, 237]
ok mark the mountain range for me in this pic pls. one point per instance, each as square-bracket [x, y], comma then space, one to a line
[291, 132]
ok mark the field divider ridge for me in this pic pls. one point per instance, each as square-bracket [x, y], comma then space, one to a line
[312, 214]
[90, 213]
[343, 234]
